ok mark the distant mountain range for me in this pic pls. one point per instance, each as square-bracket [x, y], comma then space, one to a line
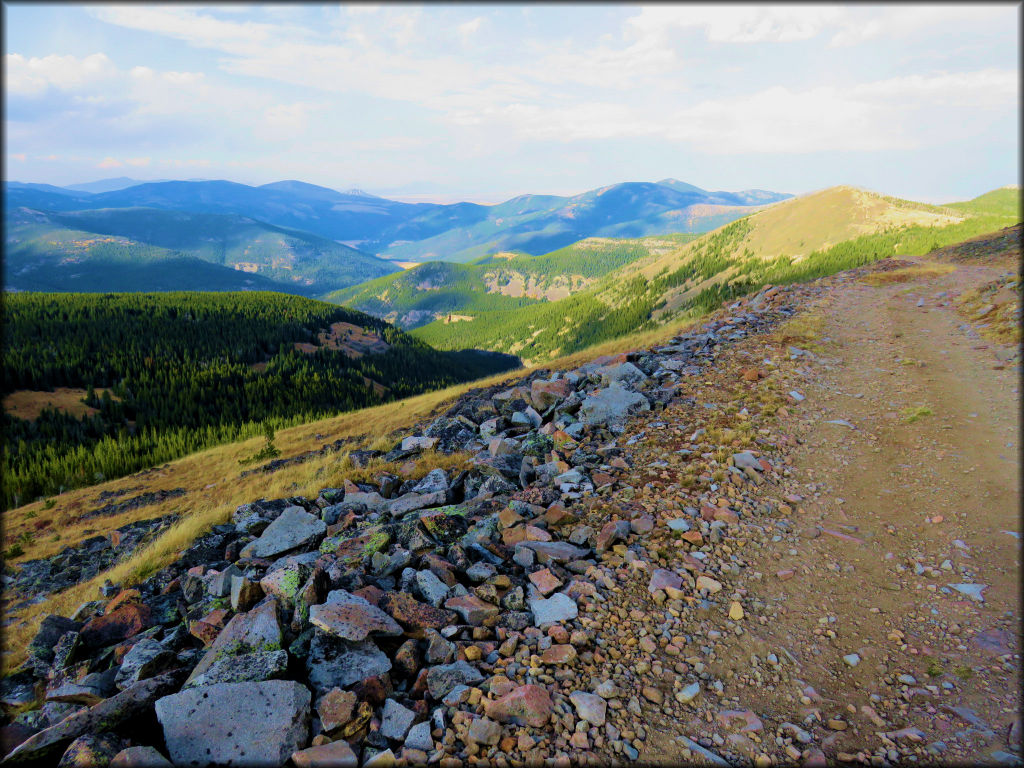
[457, 232]
[148, 249]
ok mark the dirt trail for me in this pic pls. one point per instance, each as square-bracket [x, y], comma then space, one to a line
[890, 513]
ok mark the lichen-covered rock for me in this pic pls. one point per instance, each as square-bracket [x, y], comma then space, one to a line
[104, 716]
[258, 630]
[244, 668]
[91, 750]
[337, 663]
[441, 679]
[147, 658]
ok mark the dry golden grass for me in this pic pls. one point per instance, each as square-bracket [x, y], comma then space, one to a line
[994, 308]
[802, 330]
[214, 488]
[28, 404]
[907, 274]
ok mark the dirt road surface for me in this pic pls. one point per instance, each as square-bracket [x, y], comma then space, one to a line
[902, 480]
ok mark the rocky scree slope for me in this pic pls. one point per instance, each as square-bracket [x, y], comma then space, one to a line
[459, 618]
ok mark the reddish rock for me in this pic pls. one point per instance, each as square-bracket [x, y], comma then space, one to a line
[337, 754]
[544, 394]
[509, 517]
[124, 596]
[205, 633]
[335, 708]
[545, 581]
[352, 621]
[730, 718]
[693, 537]
[578, 589]
[512, 536]
[612, 532]
[374, 689]
[664, 579]
[785, 574]
[472, 609]
[370, 594]
[727, 516]
[558, 633]
[533, 533]
[601, 479]
[528, 705]
[413, 614]
[556, 514]
[559, 654]
[641, 525]
[126, 621]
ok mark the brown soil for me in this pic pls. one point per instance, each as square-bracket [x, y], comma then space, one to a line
[879, 498]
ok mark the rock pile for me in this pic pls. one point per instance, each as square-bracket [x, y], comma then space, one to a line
[438, 619]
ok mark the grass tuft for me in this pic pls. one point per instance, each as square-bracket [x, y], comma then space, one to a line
[910, 415]
[907, 274]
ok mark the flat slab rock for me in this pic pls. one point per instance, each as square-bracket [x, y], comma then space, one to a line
[251, 724]
[292, 529]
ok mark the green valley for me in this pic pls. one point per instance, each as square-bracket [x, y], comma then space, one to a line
[184, 371]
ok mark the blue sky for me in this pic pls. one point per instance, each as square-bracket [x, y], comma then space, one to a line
[485, 102]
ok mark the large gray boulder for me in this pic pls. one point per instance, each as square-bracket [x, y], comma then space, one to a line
[293, 529]
[611, 407]
[254, 724]
[337, 663]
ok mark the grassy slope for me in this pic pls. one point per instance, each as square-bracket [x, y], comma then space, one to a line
[45, 250]
[797, 239]
[467, 289]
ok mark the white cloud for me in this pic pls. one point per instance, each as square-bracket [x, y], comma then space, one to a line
[861, 24]
[109, 162]
[33, 76]
[879, 115]
[736, 23]
[138, 162]
[469, 28]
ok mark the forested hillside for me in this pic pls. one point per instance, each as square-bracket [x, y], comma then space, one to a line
[184, 371]
[503, 281]
[796, 240]
[138, 249]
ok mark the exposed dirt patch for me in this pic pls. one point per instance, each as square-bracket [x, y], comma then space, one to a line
[28, 404]
[348, 338]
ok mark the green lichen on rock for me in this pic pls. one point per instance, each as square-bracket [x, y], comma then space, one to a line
[377, 542]
[446, 524]
[329, 546]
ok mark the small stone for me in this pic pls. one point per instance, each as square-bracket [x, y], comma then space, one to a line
[735, 611]
[396, 720]
[483, 731]
[140, 757]
[336, 754]
[335, 708]
[652, 694]
[589, 707]
[710, 585]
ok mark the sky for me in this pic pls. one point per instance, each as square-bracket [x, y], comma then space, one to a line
[485, 102]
